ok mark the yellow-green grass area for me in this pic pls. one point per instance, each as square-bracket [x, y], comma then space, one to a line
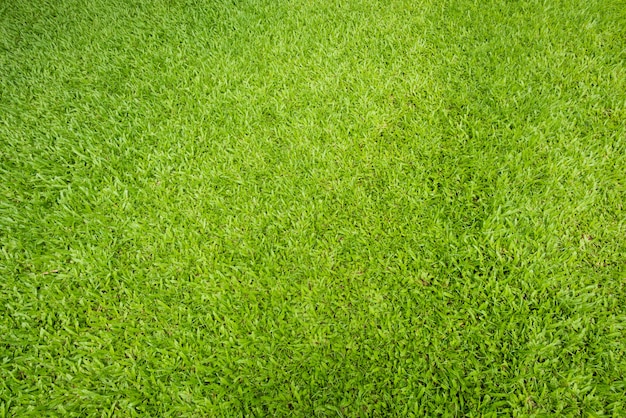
[312, 208]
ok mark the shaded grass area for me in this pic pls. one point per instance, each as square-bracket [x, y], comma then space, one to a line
[359, 208]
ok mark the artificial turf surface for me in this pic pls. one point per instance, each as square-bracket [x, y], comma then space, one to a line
[312, 208]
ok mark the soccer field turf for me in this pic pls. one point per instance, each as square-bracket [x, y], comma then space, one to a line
[312, 208]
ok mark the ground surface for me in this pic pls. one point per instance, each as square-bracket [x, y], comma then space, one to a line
[360, 208]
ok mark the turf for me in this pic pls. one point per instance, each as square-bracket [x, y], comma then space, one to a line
[312, 208]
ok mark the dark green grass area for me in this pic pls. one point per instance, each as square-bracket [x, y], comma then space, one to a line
[312, 208]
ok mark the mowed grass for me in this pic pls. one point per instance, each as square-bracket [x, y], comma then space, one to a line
[312, 208]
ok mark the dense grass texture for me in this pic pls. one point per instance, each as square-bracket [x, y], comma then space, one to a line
[312, 208]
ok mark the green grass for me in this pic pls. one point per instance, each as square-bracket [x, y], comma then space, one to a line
[312, 208]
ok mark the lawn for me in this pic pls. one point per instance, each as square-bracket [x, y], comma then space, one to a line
[312, 208]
